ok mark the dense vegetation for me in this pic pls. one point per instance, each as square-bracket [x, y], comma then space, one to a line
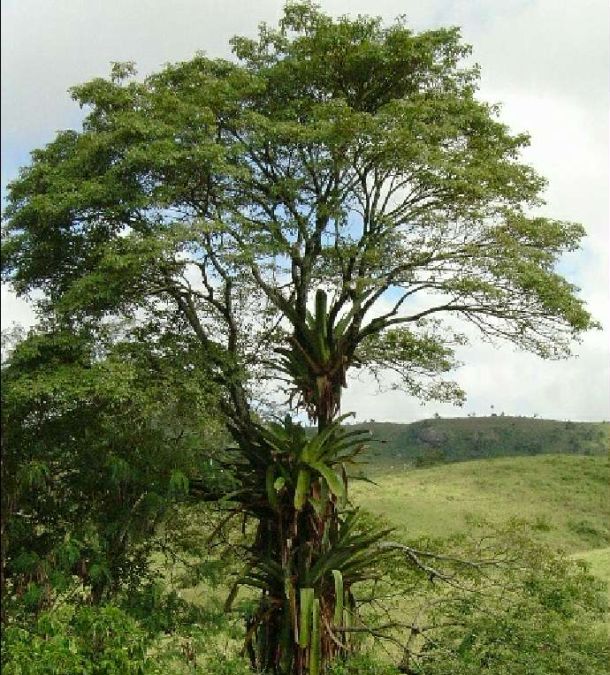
[81, 600]
[437, 440]
[335, 197]
[95, 450]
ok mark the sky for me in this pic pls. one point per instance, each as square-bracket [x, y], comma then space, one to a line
[545, 61]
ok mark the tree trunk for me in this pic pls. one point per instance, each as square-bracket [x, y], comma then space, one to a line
[295, 539]
[291, 632]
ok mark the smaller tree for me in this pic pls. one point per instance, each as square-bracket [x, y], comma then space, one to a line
[99, 437]
[492, 601]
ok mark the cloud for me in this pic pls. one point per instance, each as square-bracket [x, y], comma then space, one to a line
[512, 382]
[49, 46]
[15, 310]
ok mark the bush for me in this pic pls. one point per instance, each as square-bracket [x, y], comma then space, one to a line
[519, 644]
[547, 620]
[88, 640]
[362, 665]
[158, 611]
[223, 665]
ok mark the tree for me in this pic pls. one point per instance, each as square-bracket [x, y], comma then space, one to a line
[493, 601]
[99, 437]
[318, 204]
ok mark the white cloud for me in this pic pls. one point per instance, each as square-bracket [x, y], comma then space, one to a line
[15, 310]
[513, 382]
[49, 46]
[546, 61]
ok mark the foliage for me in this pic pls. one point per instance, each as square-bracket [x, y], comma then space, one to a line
[524, 641]
[553, 626]
[225, 194]
[497, 602]
[90, 640]
[96, 449]
[362, 664]
[304, 562]
[158, 611]
[106, 640]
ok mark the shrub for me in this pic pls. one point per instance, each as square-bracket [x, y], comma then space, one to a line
[362, 664]
[89, 640]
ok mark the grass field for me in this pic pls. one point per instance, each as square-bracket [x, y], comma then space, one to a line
[599, 563]
[564, 497]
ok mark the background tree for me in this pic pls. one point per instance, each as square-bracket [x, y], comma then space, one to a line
[318, 204]
[99, 439]
[491, 601]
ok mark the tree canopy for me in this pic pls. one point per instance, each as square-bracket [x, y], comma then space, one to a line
[330, 154]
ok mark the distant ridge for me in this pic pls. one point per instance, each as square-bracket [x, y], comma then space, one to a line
[439, 440]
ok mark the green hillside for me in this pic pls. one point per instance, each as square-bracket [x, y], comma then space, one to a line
[565, 497]
[438, 440]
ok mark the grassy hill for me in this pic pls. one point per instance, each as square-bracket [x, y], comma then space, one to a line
[433, 441]
[565, 497]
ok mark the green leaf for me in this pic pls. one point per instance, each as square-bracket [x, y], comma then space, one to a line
[178, 483]
[316, 640]
[270, 481]
[302, 488]
[335, 482]
[306, 601]
[338, 614]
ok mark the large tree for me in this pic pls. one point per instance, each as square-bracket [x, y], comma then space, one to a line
[323, 201]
